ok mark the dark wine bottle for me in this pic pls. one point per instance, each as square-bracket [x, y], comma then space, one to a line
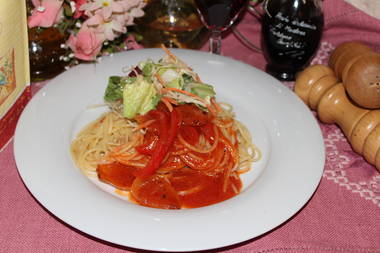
[291, 35]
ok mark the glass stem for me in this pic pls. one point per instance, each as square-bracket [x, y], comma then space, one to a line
[215, 41]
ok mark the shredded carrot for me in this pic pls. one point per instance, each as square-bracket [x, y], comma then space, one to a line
[159, 78]
[183, 92]
[173, 101]
[167, 51]
[144, 124]
[167, 103]
[224, 123]
[216, 105]
[191, 95]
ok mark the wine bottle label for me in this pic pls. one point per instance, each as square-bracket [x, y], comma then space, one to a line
[290, 33]
[14, 66]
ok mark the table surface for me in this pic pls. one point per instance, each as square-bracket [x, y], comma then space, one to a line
[342, 216]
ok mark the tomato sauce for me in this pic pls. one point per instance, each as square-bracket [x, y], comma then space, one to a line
[198, 188]
[179, 188]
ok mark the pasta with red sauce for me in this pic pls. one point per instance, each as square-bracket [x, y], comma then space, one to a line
[187, 151]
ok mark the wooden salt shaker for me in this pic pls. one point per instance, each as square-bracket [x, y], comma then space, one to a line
[318, 87]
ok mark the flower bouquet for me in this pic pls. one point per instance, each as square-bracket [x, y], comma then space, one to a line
[92, 27]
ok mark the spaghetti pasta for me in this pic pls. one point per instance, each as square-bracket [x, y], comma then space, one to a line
[109, 132]
[179, 154]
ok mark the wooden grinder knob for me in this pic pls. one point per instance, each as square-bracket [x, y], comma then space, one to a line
[328, 97]
[358, 67]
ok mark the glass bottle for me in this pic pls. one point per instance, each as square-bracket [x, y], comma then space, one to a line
[45, 53]
[174, 23]
[291, 34]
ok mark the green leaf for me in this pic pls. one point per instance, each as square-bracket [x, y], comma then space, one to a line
[115, 87]
[187, 78]
[139, 98]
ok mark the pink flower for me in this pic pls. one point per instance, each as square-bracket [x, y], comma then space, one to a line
[129, 4]
[135, 10]
[107, 7]
[132, 14]
[46, 13]
[111, 27]
[78, 3]
[131, 43]
[87, 44]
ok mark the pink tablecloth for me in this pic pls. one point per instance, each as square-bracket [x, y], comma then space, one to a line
[342, 216]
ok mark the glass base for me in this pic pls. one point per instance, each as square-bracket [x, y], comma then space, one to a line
[281, 74]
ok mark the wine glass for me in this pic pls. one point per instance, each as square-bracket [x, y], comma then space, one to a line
[218, 16]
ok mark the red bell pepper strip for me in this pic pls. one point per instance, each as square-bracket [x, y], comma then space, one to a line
[167, 134]
[175, 124]
[150, 140]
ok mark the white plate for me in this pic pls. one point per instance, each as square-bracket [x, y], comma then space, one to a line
[276, 188]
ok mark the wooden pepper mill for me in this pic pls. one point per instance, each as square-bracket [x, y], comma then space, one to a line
[320, 88]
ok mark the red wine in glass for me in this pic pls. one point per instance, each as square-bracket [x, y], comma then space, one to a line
[218, 16]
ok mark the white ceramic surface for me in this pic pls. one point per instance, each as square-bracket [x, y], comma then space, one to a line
[276, 188]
